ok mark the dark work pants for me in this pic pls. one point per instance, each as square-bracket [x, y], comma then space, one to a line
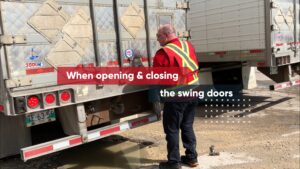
[179, 116]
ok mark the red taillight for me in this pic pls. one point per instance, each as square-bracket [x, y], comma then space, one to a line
[50, 98]
[33, 102]
[65, 96]
[1, 108]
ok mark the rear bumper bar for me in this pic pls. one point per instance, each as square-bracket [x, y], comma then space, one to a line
[75, 140]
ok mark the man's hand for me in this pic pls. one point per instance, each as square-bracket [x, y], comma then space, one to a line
[157, 109]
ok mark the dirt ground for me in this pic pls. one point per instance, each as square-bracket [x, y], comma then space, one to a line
[260, 130]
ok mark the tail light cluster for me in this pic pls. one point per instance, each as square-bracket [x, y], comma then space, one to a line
[1, 108]
[43, 101]
[33, 101]
[50, 98]
[65, 96]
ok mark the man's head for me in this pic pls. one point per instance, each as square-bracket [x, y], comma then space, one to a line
[165, 34]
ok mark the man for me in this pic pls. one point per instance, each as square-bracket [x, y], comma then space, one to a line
[178, 115]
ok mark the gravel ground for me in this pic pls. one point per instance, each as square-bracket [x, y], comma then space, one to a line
[262, 134]
[267, 136]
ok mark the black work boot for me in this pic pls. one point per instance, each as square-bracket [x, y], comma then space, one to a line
[168, 165]
[191, 162]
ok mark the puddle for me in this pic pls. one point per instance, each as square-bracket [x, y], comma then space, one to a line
[109, 153]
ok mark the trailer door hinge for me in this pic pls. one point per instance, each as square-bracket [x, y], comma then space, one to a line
[182, 5]
[274, 28]
[184, 34]
[274, 5]
[11, 39]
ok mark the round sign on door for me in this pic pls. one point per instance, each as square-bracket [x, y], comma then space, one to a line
[129, 53]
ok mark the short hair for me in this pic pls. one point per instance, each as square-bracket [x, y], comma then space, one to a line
[167, 29]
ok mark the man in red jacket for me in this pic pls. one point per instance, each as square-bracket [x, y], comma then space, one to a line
[178, 115]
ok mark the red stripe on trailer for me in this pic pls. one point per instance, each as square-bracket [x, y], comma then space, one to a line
[39, 70]
[293, 43]
[117, 62]
[281, 86]
[86, 65]
[113, 62]
[109, 131]
[126, 61]
[139, 122]
[296, 82]
[284, 85]
[221, 53]
[278, 86]
[144, 59]
[261, 63]
[279, 44]
[256, 51]
[75, 141]
[91, 65]
[38, 151]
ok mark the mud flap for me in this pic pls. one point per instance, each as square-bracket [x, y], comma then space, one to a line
[14, 135]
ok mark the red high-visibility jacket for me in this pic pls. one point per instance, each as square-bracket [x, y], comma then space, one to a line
[179, 54]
